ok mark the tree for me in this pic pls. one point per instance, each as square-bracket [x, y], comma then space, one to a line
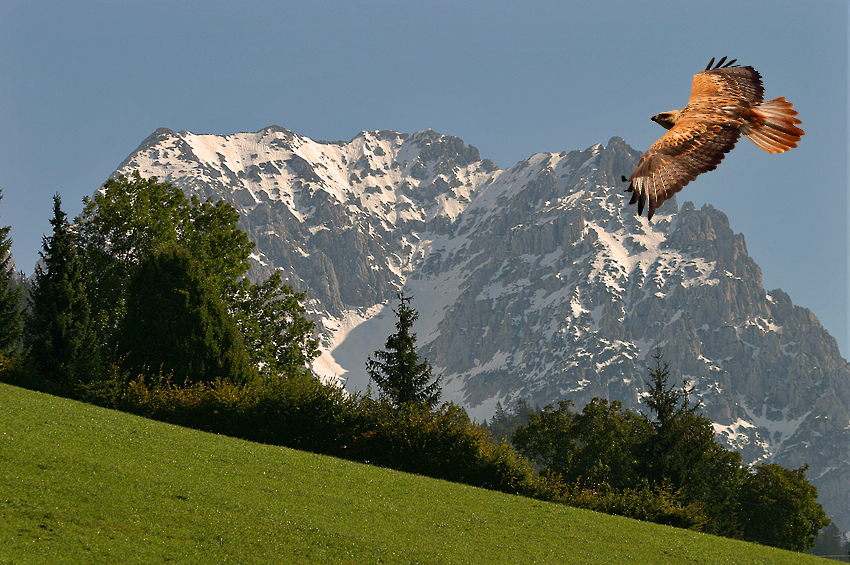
[397, 371]
[270, 317]
[176, 323]
[130, 217]
[593, 448]
[504, 423]
[11, 324]
[779, 507]
[665, 400]
[59, 331]
[831, 543]
[682, 452]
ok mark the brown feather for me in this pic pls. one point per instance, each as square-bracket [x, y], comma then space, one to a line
[726, 101]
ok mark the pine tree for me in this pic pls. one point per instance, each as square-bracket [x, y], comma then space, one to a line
[830, 543]
[59, 331]
[665, 400]
[176, 323]
[682, 452]
[10, 295]
[402, 378]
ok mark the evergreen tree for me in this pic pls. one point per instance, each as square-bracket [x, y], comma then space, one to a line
[504, 423]
[682, 452]
[830, 543]
[666, 400]
[176, 323]
[130, 217]
[59, 331]
[11, 323]
[397, 371]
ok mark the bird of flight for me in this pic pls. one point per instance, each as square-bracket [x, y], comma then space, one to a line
[726, 101]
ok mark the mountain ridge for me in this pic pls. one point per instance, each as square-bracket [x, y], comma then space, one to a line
[532, 282]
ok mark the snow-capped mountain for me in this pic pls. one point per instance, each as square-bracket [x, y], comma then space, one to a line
[533, 282]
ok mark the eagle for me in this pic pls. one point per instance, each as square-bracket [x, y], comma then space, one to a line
[727, 100]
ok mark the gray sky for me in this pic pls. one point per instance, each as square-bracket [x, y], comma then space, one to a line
[83, 83]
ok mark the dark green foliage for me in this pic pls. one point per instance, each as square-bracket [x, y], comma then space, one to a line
[594, 448]
[683, 454]
[831, 543]
[271, 319]
[130, 217]
[60, 334]
[504, 423]
[597, 460]
[668, 469]
[665, 400]
[296, 411]
[397, 371]
[11, 324]
[177, 325]
[662, 506]
[779, 507]
[443, 443]
[300, 412]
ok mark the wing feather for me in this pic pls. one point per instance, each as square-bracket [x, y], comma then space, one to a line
[727, 100]
[732, 83]
[688, 149]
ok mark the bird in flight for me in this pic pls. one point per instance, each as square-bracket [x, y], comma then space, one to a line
[726, 101]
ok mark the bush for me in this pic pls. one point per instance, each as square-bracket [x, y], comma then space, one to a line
[659, 505]
[296, 411]
[442, 444]
[177, 322]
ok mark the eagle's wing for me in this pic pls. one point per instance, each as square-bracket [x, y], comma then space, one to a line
[733, 83]
[695, 145]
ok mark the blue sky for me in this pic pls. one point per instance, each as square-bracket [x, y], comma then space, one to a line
[83, 83]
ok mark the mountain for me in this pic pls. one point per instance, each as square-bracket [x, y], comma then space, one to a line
[533, 282]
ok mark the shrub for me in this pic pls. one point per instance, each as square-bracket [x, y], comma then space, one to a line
[442, 444]
[659, 505]
[296, 411]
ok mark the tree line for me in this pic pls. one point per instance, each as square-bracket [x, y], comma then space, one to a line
[142, 304]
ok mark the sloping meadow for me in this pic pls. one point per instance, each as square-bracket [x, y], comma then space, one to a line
[82, 484]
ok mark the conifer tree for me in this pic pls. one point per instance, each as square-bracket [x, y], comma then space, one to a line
[176, 323]
[59, 331]
[682, 453]
[664, 399]
[10, 295]
[402, 378]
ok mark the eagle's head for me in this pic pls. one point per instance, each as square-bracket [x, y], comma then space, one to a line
[667, 119]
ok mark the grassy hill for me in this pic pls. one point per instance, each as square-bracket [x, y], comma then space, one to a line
[80, 484]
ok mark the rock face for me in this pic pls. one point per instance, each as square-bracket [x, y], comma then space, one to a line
[533, 282]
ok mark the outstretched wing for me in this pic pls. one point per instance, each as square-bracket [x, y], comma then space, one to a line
[731, 82]
[691, 147]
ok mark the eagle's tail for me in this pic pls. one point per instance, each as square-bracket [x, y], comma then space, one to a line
[772, 126]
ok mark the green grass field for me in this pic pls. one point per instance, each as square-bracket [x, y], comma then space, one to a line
[80, 484]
